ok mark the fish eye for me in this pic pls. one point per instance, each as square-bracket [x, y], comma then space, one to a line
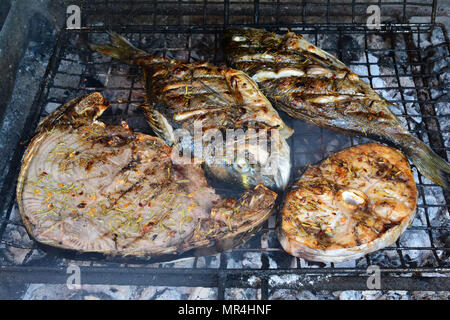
[241, 165]
[239, 38]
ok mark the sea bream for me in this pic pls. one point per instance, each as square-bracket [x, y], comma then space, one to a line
[312, 85]
[182, 95]
[355, 202]
[92, 187]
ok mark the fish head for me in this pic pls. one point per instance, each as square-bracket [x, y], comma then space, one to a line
[254, 106]
[259, 158]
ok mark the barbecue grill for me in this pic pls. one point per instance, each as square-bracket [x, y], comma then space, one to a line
[405, 60]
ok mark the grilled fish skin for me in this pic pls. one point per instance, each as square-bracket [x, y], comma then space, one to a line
[312, 85]
[355, 202]
[180, 94]
[97, 188]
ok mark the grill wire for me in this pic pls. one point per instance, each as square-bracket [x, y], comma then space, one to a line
[409, 67]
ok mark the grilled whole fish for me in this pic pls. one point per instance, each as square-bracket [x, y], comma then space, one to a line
[182, 94]
[314, 86]
[92, 187]
[355, 202]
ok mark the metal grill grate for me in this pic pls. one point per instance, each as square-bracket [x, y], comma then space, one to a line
[407, 64]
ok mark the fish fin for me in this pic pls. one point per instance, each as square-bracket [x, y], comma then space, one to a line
[285, 131]
[120, 48]
[219, 99]
[313, 50]
[159, 124]
[81, 110]
[428, 163]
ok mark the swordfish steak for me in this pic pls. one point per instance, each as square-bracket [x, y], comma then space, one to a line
[92, 187]
[355, 202]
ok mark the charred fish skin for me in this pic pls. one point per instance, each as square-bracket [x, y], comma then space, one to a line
[182, 94]
[96, 188]
[312, 85]
[353, 203]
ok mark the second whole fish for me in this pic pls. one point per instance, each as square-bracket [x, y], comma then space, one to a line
[312, 85]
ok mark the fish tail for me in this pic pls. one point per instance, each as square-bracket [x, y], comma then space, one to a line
[120, 48]
[427, 161]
